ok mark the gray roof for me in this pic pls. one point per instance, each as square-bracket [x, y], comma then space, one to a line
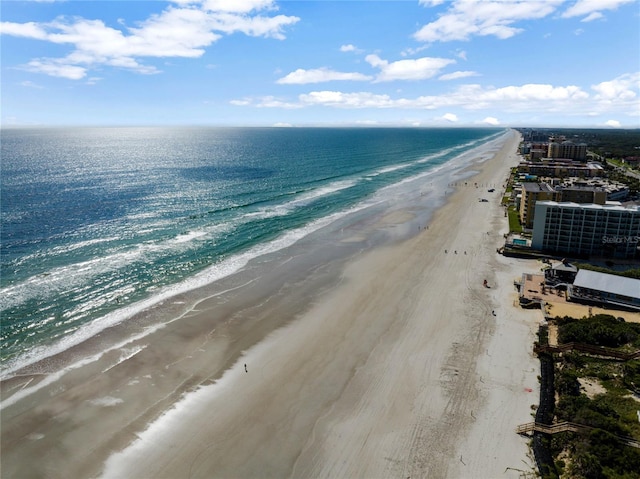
[608, 283]
[536, 187]
[565, 267]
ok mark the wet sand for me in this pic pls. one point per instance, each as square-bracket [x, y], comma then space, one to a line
[396, 369]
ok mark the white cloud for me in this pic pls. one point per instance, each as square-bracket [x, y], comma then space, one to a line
[178, 31]
[450, 117]
[282, 125]
[252, 26]
[472, 97]
[623, 88]
[591, 7]
[416, 69]
[467, 18]
[273, 102]
[531, 92]
[28, 30]
[236, 6]
[407, 52]
[617, 97]
[56, 69]
[457, 75]
[350, 48]
[244, 102]
[592, 16]
[319, 75]
[346, 100]
[613, 123]
[491, 121]
[30, 84]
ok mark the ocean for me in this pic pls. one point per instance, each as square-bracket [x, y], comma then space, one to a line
[100, 223]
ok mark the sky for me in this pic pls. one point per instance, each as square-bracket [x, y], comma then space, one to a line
[424, 63]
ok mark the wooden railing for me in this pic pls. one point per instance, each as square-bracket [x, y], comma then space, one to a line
[568, 427]
[588, 349]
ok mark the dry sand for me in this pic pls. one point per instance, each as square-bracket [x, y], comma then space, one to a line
[401, 370]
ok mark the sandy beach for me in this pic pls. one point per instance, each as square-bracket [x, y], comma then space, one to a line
[407, 366]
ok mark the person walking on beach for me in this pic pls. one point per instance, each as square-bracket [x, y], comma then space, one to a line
[245, 368]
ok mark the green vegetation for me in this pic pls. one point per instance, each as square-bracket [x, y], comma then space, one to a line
[618, 163]
[598, 453]
[608, 143]
[599, 330]
[613, 143]
[514, 220]
[615, 175]
[543, 335]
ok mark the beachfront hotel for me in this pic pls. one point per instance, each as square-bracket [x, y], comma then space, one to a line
[585, 230]
[532, 193]
[560, 168]
[567, 149]
[570, 192]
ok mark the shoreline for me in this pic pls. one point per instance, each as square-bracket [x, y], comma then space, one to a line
[166, 302]
[377, 377]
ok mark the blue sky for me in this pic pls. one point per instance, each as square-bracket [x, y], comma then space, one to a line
[309, 62]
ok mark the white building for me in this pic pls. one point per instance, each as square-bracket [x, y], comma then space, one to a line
[585, 229]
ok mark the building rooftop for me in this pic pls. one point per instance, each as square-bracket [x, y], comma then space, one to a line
[571, 187]
[610, 205]
[608, 283]
[536, 187]
[592, 182]
[565, 267]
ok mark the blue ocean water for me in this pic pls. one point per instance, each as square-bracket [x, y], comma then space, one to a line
[95, 220]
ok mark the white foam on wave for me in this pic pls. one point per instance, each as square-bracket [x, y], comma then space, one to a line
[301, 201]
[190, 236]
[208, 276]
[141, 216]
[125, 354]
[59, 250]
[329, 189]
[76, 275]
[429, 158]
[65, 278]
[389, 169]
[482, 152]
[106, 401]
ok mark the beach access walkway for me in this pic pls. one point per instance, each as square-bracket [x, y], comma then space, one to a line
[565, 426]
[588, 349]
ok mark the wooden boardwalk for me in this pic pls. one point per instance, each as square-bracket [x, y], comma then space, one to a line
[568, 427]
[588, 349]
